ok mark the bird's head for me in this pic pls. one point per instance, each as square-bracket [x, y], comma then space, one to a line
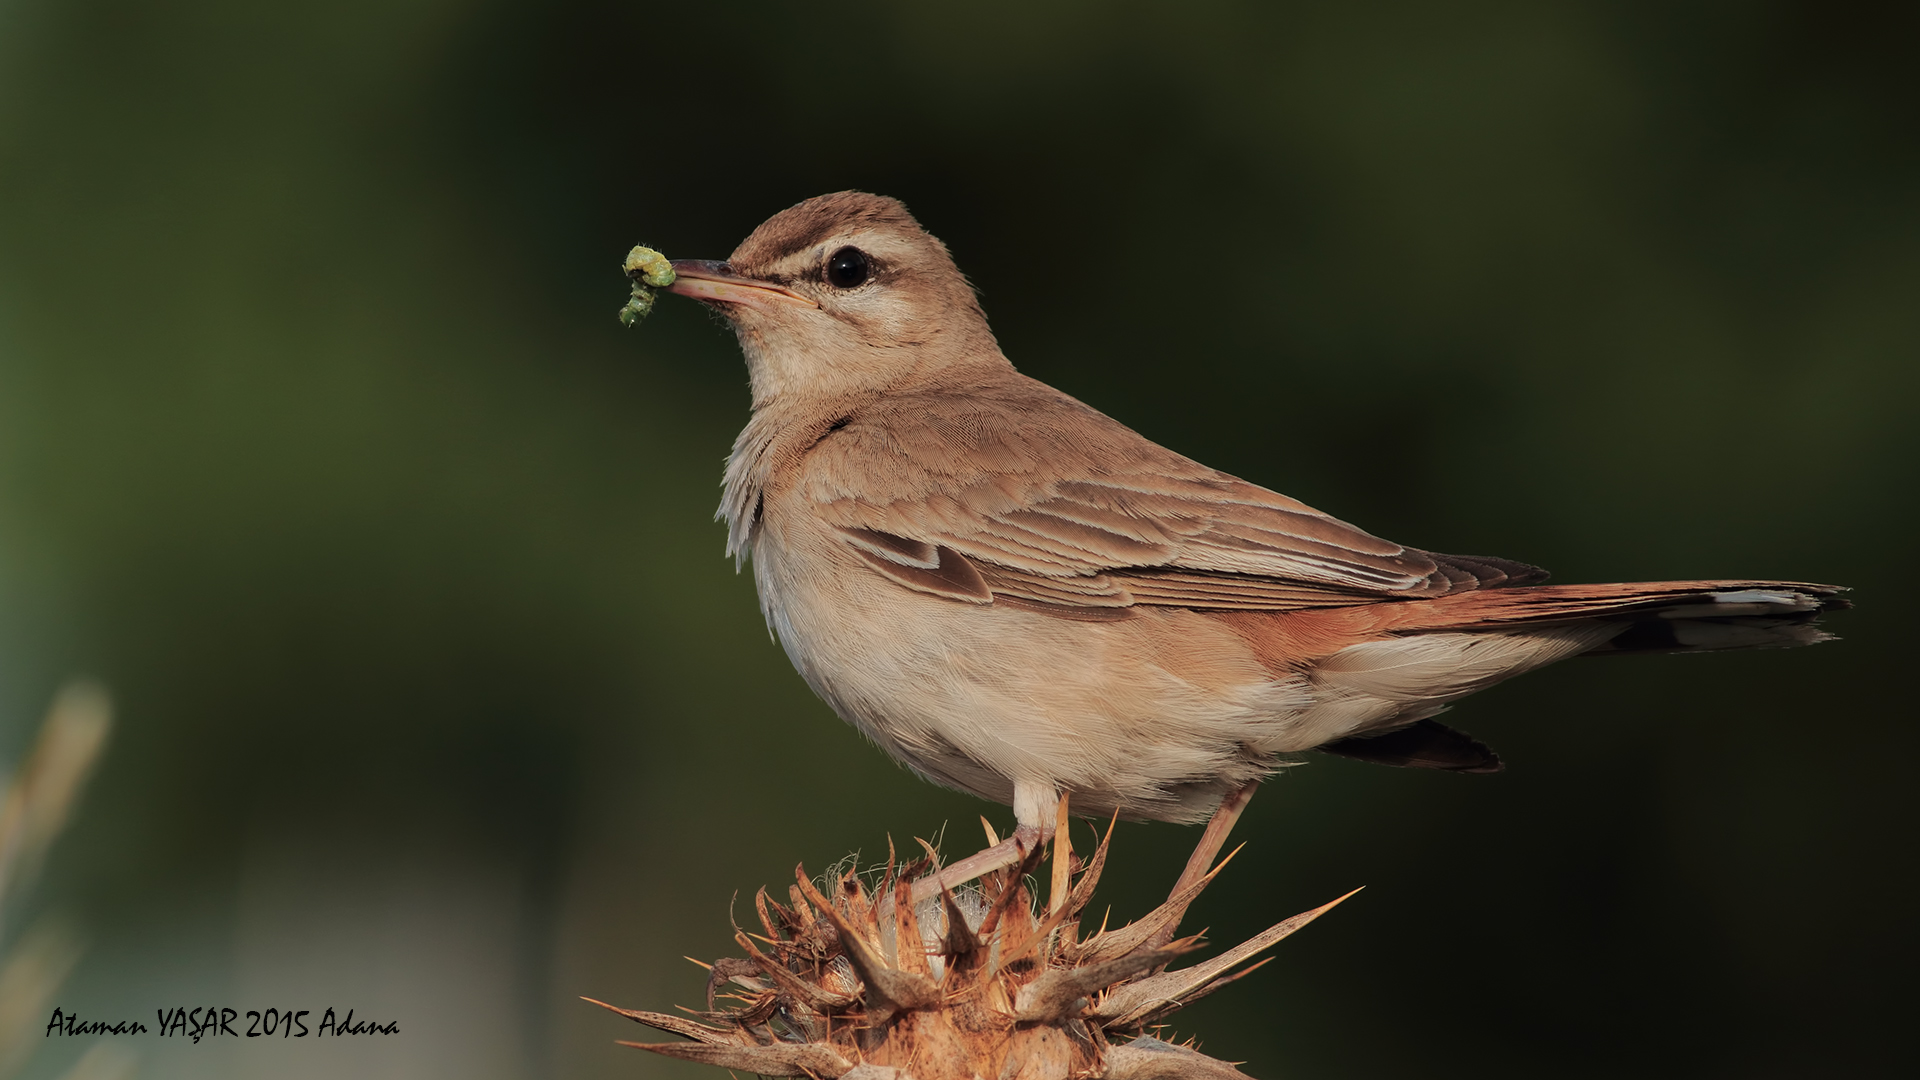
[842, 294]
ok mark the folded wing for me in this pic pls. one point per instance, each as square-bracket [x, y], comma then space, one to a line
[1051, 502]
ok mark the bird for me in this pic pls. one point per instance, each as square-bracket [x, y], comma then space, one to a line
[1018, 596]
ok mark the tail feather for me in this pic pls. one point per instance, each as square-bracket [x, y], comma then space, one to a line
[1440, 650]
[1657, 616]
[1379, 672]
[1424, 744]
[1664, 632]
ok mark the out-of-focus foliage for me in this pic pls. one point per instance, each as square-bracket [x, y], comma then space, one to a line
[319, 440]
[35, 803]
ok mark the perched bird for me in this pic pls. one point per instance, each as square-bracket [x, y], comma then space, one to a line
[1018, 596]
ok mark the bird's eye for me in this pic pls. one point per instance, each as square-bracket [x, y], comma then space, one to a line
[848, 268]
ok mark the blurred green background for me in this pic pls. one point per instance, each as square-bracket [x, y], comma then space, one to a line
[320, 444]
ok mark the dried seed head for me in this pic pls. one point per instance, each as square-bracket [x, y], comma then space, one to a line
[871, 986]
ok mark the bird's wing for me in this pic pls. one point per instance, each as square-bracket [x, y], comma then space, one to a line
[1047, 500]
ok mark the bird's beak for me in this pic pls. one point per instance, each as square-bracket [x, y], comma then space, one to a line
[715, 282]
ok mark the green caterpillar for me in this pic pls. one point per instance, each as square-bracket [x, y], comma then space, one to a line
[649, 270]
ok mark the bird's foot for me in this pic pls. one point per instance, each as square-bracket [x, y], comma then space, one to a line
[1009, 852]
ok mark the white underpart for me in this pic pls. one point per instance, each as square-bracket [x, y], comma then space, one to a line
[1153, 715]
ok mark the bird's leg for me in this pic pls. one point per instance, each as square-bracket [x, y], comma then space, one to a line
[1030, 837]
[1215, 838]
[1006, 853]
[1026, 837]
[1201, 860]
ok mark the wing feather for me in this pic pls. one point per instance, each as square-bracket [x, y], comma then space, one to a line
[1043, 499]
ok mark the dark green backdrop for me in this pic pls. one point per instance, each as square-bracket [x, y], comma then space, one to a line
[320, 443]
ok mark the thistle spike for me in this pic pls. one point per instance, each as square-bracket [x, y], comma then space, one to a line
[1013, 996]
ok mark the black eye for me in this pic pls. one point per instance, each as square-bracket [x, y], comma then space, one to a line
[848, 268]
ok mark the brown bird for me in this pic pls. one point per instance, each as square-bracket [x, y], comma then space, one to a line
[1018, 596]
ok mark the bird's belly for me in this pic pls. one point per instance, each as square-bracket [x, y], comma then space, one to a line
[1156, 715]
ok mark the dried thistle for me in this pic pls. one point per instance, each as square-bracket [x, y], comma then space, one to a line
[849, 983]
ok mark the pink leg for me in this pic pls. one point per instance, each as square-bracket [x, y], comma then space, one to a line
[1215, 837]
[1201, 860]
[1005, 853]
